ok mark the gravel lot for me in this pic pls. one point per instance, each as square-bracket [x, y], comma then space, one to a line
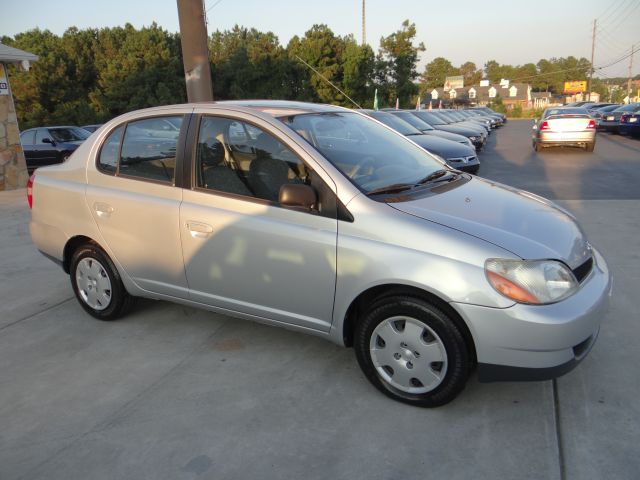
[176, 393]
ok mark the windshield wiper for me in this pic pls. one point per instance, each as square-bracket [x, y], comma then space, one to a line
[395, 188]
[434, 176]
[401, 187]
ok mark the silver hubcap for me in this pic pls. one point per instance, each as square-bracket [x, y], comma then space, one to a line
[408, 354]
[93, 283]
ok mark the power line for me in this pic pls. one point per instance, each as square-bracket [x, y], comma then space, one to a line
[211, 7]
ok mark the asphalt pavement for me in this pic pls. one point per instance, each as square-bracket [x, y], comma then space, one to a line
[171, 392]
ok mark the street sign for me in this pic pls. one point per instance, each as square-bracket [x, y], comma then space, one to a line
[4, 83]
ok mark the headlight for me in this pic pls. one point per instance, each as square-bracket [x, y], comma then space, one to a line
[536, 282]
[473, 139]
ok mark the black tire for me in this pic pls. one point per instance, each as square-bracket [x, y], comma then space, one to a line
[113, 302]
[589, 147]
[438, 334]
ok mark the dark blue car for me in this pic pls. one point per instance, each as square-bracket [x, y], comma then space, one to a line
[630, 123]
[48, 145]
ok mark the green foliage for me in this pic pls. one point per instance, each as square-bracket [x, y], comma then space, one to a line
[435, 73]
[497, 105]
[91, 75]
[516, 111]
[397, 59]
[88, 76]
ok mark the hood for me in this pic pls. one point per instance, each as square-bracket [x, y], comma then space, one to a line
[447, 135]
[440, 146]
[523, 223]
[458, 129]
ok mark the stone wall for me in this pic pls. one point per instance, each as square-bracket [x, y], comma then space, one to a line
[13, 168]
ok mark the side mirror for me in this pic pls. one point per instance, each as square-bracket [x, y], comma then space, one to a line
[298, 196]
[48, 140]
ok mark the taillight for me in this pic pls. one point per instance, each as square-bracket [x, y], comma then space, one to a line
[32, 179]
[592, 125]
[623, 119]
[544, 126]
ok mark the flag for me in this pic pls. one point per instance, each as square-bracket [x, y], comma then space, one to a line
[418, 104]
[397, 103]
[430, 106]
[375, 100]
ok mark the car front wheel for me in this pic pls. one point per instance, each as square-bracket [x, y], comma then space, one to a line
[97, 284]
[412, 351]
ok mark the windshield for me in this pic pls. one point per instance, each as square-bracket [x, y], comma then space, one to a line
[411, 119]
[368, 154]
[69, 134]
[396, 123]
[430, 118]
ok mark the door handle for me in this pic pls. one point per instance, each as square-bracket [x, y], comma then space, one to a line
[103, 209]
[198, 229]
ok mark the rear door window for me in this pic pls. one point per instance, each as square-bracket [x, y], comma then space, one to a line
[143, 149]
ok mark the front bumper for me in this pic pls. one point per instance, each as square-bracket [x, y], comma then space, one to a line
[539, 342]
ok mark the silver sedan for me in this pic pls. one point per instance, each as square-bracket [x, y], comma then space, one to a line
[565, 126]
[322, 220]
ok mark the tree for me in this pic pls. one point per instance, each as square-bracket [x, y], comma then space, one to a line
[358, 71]
[471, 74]
[247, 63]
[136, 69]
[400, 56]
[324, 51]
[435, 73]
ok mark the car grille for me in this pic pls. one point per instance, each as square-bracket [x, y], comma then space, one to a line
[464, 160]
[583, 270]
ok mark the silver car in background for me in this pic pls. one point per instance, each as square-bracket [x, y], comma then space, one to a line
[319, 219]
[565, 126]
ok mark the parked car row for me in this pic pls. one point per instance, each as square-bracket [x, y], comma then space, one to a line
[325, 221]
[576, 124]
[610, 119]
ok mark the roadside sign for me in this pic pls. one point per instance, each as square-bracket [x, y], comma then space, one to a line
[4, 83]
[453, 82]
[575, 87]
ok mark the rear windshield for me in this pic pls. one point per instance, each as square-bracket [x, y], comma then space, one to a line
[566, 111]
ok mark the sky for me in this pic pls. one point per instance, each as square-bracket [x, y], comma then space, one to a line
[513, 32]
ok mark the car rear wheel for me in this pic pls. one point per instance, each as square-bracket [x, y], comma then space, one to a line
[97, 284]
[589, 147]
[412, 351]
[536, 146]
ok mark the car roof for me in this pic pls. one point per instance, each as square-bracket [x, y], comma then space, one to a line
[274, 108]
[282, 107]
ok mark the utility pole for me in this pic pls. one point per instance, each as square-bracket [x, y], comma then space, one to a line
[630, 74]
[364, 28]
[593, 49]
[195, 53]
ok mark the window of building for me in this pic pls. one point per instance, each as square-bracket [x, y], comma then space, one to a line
[492, 92]
[472, 93]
